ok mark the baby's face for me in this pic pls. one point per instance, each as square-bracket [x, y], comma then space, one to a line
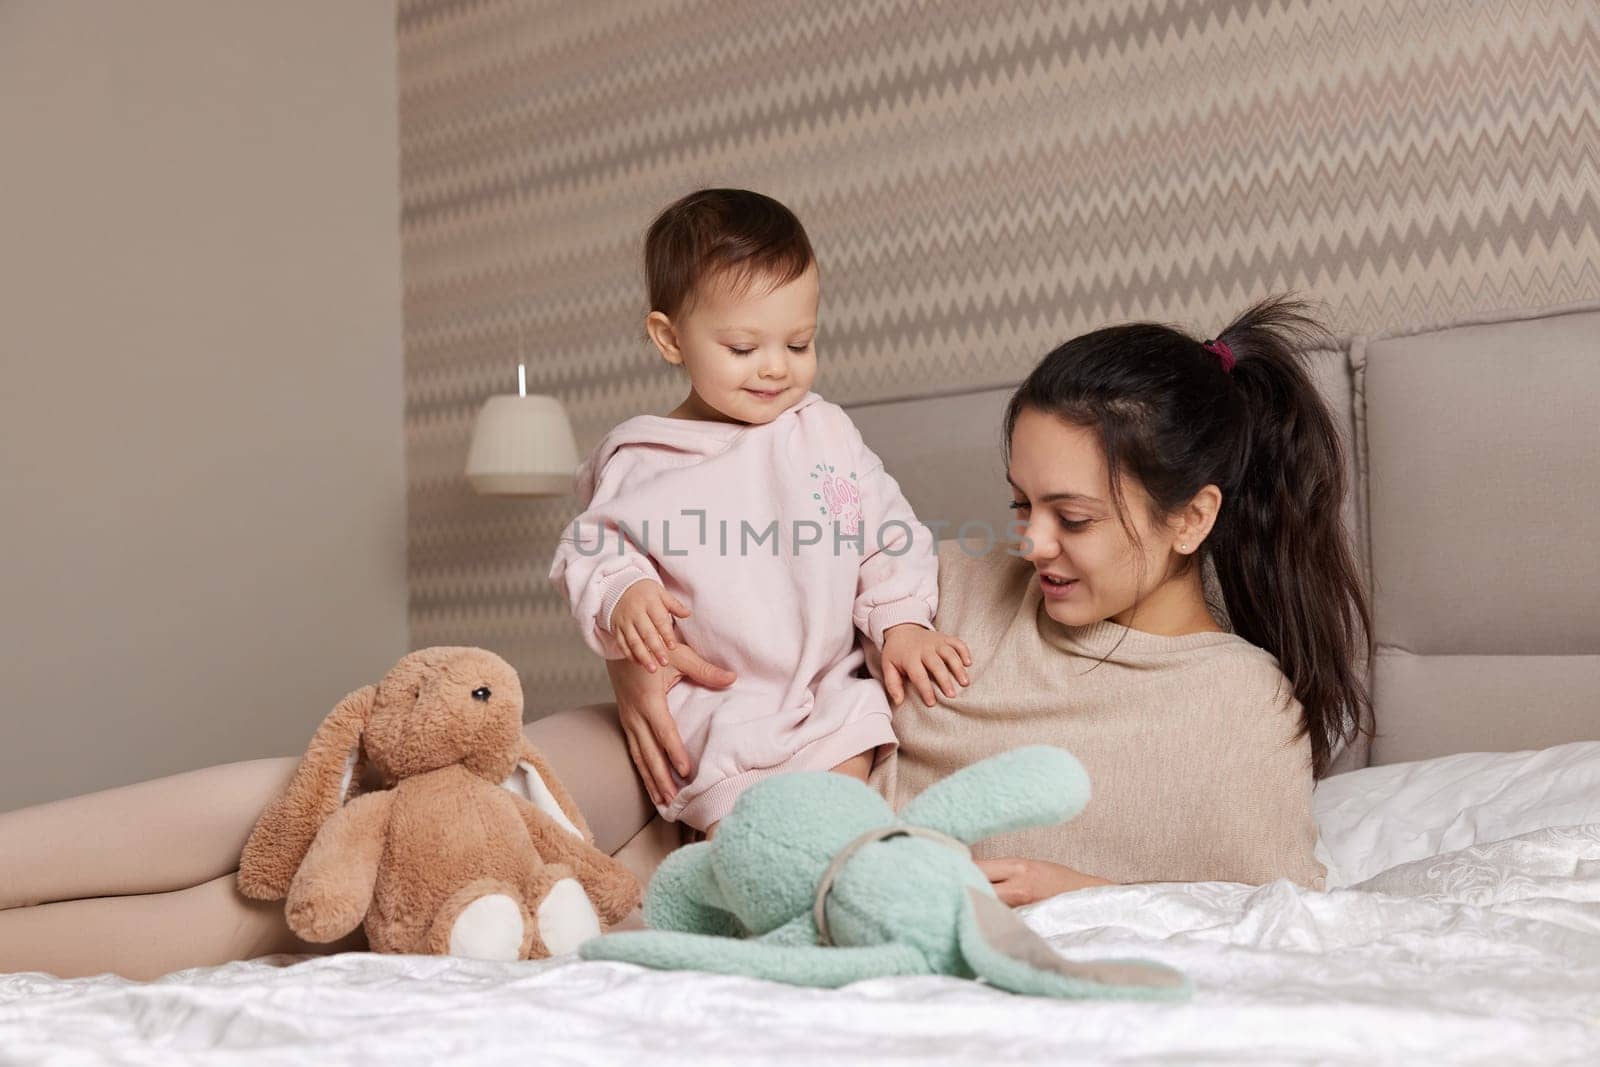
[750, 355]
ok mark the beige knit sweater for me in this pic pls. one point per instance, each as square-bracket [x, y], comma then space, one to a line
[1195, 773]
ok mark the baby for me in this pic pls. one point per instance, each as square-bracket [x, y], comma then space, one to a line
[754, 519]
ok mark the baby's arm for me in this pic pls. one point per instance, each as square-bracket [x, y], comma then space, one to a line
[925, 658]
[595, 564]
[642, 623]
[897, 591]
[898, 581]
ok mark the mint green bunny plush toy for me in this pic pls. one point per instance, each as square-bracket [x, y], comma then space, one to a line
[812, 880]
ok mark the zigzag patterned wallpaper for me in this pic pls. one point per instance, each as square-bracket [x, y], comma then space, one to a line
[980, 180]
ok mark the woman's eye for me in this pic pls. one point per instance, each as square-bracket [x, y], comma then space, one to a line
[1019, 505]
[1073, 524]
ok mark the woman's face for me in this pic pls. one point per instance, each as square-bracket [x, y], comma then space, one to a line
[1060, 491]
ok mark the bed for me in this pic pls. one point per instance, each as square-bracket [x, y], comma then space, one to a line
[1462, 919]
[1486, 951]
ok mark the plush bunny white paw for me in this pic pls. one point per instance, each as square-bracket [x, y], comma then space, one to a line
[566, 918]
[490, 928]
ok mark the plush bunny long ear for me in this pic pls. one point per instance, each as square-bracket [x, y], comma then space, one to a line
[320, 784]
[810, 965]
[1001, 949]
[1038, 785]
[684, 895]
[534, 781]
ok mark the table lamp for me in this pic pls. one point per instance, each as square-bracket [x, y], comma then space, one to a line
[522, 445]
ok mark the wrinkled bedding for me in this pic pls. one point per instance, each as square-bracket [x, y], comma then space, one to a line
[1487, 954]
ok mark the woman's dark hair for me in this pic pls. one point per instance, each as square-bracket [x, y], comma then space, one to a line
[1174, 416]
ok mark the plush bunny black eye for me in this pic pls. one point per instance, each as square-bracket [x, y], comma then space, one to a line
[481, 693]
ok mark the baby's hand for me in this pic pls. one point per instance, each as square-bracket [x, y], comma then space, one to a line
[923, 656]
[642, 623]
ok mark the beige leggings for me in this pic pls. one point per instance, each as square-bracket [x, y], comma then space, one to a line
[139, 881]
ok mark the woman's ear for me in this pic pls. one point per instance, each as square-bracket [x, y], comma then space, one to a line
[665, 335]
[320, 784]
[1195, 521]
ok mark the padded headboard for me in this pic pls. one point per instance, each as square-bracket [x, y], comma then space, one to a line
[1483, 469]
[1474, 463]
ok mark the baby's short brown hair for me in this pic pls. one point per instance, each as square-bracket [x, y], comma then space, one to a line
[735, 233]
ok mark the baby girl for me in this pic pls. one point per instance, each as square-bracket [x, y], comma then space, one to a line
[755, 520]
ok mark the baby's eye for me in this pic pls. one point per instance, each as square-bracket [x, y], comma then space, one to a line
[800, 348]
[740, 351]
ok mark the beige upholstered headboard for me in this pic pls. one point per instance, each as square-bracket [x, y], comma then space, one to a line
[1474, 507]
[1483, 481]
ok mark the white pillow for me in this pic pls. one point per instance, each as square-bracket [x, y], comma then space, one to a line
[1374, 818]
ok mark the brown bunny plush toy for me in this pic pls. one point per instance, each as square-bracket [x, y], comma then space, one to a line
[468, 845]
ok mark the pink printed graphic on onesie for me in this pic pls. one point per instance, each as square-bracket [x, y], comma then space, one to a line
[838, 497]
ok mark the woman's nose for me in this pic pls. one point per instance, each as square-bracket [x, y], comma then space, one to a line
[1035, 547]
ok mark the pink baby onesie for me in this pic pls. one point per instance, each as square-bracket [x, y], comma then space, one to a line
[782, 539]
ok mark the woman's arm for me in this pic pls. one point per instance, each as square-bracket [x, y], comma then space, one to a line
[1019, 881]
[651, 734]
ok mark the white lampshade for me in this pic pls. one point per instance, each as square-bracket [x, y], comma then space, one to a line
[522, 446]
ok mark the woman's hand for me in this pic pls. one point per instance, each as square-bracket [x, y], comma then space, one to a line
[641, 622]
[647, 724]
[923, 657]
[1022, 881]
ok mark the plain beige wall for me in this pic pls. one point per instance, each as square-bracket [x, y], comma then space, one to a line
[201, 410]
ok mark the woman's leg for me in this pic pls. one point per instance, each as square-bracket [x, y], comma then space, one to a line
[857, 766]
[153, 837]
[155, 863]
[177, 841]
[146, 936]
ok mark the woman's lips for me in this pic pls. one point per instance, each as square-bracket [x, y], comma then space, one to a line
[1056, 589]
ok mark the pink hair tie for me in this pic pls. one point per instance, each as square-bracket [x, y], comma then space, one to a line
[1223, 353]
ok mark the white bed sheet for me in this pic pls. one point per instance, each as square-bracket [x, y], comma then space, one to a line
[1486, 954]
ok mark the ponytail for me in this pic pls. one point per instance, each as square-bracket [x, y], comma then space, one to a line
[1283, 559]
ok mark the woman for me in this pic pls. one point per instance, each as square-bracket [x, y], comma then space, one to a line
[1133, 453]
